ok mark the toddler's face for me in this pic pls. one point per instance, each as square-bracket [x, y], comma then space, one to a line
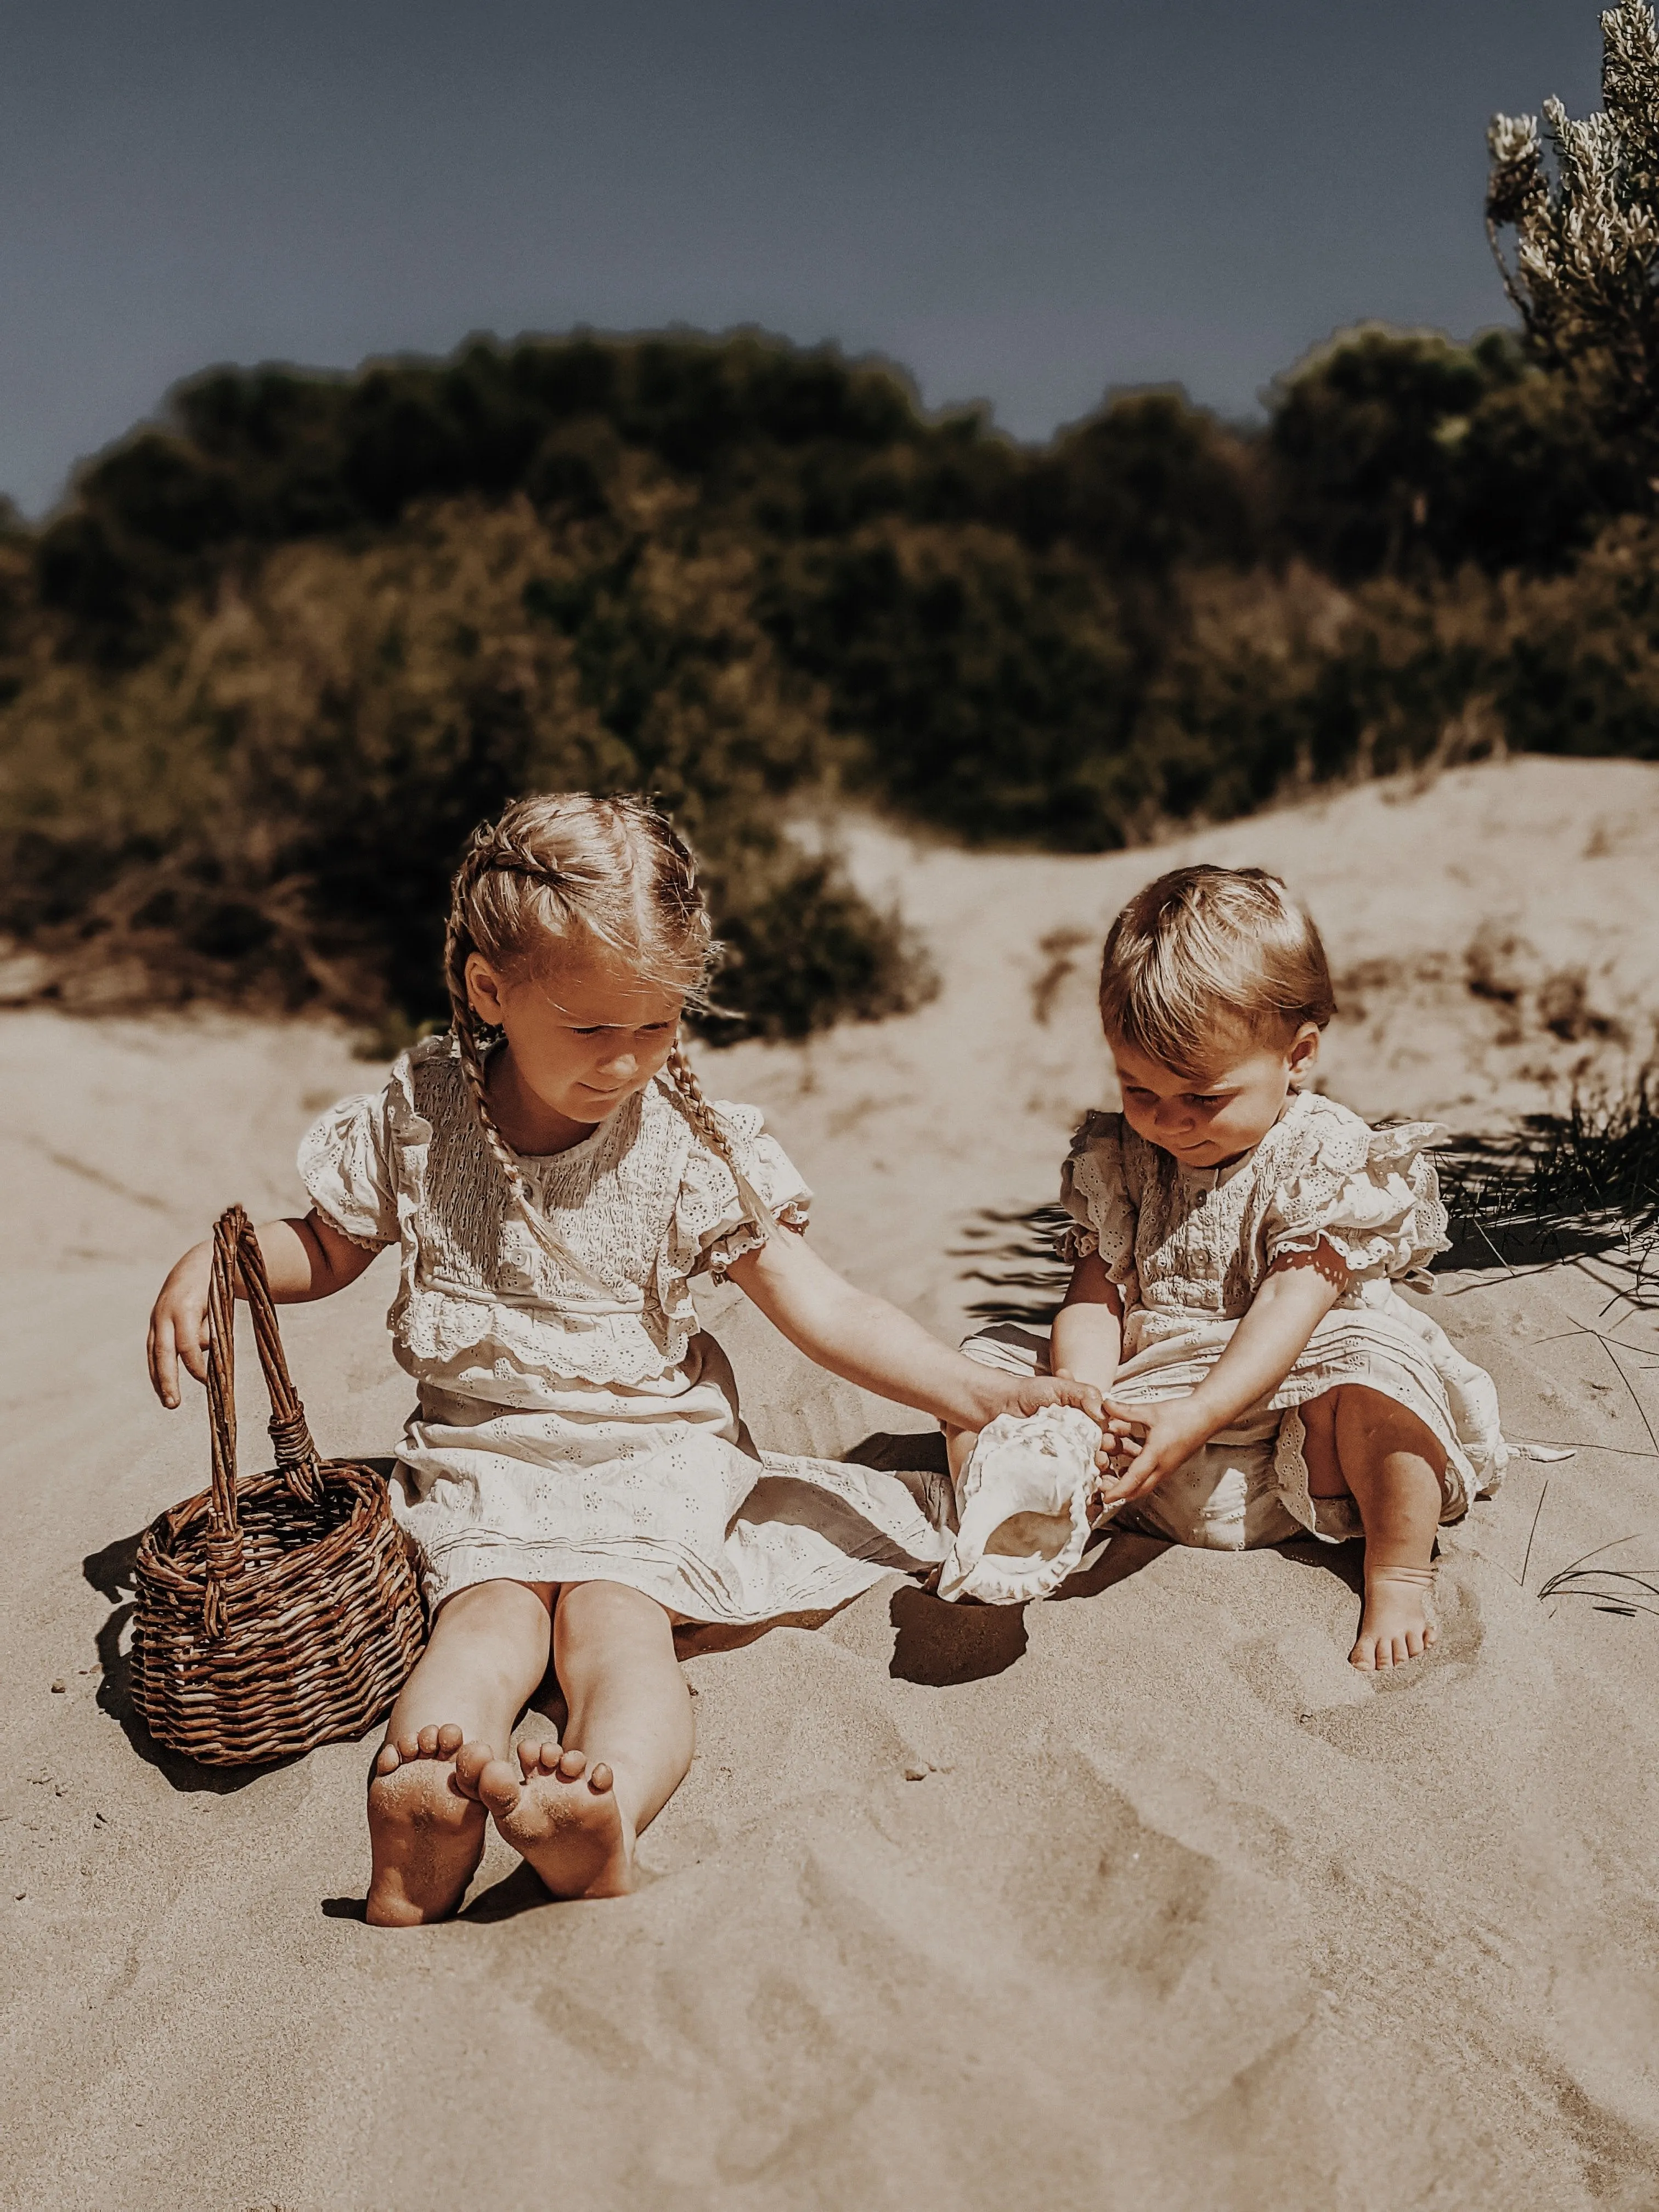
[585, 1036]
[1206, 1120]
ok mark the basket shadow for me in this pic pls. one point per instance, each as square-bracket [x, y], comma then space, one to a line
[110, 1573]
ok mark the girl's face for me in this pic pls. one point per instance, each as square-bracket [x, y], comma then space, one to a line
[581, 1037]
[1205, 1121]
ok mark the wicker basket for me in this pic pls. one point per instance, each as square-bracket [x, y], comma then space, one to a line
[279, 1613]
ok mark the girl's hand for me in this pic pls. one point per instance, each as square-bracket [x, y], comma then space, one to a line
[304, 1260]
[1029, 1393]
[179, 1324]
[1153, 1440]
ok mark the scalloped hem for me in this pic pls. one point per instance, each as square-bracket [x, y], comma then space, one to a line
[376, 1244]
[726, 1248]
[677, 1580]
[1336, 1520]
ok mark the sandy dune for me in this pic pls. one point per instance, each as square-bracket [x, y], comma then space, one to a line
[1137, 1899]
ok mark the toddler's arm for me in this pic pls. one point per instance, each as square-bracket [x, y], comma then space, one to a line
[1299, 1291]
[872, 1344]
[304, 1259]
[1087, 1341]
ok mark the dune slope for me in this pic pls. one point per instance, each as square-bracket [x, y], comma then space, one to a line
[1138, 1897]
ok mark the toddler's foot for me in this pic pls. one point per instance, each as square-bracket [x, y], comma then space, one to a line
[564, 1818]
[426, 1827]
[1394, 1626]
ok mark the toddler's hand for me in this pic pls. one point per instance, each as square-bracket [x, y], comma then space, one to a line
[178, 1325]
[1145, 1444]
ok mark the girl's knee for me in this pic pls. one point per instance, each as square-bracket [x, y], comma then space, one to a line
[612, 1610]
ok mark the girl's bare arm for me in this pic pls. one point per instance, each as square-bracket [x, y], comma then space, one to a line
[870, 1342]
[304, 1260]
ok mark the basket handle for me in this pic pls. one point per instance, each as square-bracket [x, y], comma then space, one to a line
[236, 1247]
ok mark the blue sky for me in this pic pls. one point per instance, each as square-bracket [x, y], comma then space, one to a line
[1022, 201]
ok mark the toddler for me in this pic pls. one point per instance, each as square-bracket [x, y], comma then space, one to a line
[575, 1478]
[1236, 1240]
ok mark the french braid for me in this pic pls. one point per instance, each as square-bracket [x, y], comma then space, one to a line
[570, 866]
[696, 1106]
[470, 1034]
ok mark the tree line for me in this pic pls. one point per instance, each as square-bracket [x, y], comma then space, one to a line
[278, 652]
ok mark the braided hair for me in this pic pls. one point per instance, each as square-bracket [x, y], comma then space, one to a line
[606, 872]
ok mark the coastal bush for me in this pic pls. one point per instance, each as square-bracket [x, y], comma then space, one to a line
[272, 804]
[280, 650]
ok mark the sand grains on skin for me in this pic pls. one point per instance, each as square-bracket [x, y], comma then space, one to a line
[427, 1826]
[564, 1818]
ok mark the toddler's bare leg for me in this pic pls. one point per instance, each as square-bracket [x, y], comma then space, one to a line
[575, 1813]
[487, 1651]
[958, 1451]
[1382, 1456]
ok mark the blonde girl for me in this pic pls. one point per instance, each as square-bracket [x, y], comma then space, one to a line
[575, 1477]
[1236, 1240]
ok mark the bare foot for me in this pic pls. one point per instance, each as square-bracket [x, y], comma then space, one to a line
[564, 1818]
[426, 1827]
[1394, 1626]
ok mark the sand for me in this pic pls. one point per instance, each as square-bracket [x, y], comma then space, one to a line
[1139, 1898]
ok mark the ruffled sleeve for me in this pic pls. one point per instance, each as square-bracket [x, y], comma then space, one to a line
[1371, 1194]
[710, 1215]
[344, 1166]
[1094, 1194]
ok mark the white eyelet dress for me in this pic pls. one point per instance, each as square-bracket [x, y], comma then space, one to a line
[1188, 1250]
[573, 1424]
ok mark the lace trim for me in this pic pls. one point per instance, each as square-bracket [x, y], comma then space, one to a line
[1094, 1191]
[363, 1243]
[342, 1164]
[434, 1332]
[643, 1206]
[1369, 1194]
[731, 1245]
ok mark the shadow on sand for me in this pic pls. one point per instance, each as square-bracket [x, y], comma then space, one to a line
[940, 1644]
[111, 1573]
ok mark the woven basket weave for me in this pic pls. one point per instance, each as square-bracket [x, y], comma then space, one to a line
[279, 1613]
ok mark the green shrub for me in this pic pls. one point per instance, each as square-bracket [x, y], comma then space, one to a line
[279, 653]
[272, 804]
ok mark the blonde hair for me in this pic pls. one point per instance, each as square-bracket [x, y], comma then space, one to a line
[566, 870]
[1204, 951]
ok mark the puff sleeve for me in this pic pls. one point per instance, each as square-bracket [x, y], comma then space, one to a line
[710, 1217]
[344, 1167]
[1371, 1194]
[1094, 1191]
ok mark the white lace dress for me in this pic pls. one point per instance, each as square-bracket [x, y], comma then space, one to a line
[1188, 1250]
[573, 1423]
